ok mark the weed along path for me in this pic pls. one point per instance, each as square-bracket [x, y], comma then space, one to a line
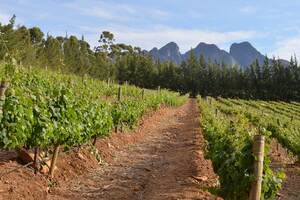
[167, 163]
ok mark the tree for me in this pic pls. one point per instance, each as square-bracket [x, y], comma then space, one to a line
[121, 62]
[190, 71]
[106, 42]
[53, 54]
[36, 35]
[71, 48]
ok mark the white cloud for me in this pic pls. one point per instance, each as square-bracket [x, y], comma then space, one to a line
[115, 11]
[160, 35]
[159, 13]
[248, 9]
[287, 47]
[4, 18]
[101, 13]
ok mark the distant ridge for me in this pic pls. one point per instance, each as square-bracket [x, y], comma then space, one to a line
[169, 52]
[245, 54]
[242, 54]
[212, 52]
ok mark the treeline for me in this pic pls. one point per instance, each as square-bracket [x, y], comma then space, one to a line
[121, 62]
[270, 81]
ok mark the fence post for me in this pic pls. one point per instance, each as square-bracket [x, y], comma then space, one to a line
[3, 87]
[119, 93]
[143, 93]
[258, 152]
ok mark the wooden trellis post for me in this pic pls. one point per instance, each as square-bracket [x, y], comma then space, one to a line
[53, 161]
[94, 140]
[258, 152]
[206, 99]
[143, 93]
[36, 160]
[119, 93]
[119, 99]
[3, 87]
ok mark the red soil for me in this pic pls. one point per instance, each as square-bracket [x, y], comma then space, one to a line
[162, 159]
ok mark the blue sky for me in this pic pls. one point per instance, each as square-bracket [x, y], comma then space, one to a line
[272, 26]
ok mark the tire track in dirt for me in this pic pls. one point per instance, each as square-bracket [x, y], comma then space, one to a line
[167, 164]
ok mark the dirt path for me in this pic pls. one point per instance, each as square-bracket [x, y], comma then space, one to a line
[282, 160]
[167, 164]
[291, 185]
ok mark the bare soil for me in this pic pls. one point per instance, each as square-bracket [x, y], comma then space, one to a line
[162, 159]
[281, 159]
[167, 164]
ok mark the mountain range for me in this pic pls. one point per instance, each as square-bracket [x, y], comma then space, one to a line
[242, 54]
